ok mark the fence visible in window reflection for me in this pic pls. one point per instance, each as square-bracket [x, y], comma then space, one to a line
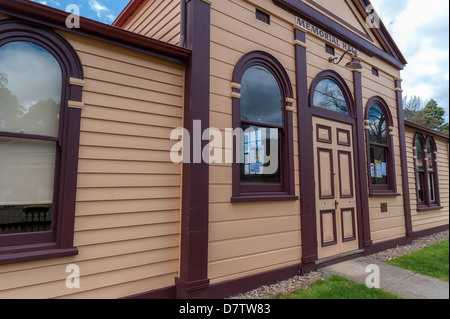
[28, 219]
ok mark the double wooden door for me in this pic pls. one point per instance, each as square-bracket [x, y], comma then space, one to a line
[336, 208]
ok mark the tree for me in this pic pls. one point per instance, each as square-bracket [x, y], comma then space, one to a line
[432, 116]
[411, 106]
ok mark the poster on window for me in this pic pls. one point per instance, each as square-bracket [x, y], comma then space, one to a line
[378, 169]
[256, 159]
[383, 169]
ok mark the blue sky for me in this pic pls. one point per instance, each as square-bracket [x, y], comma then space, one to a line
[420, 29]
[105, 11]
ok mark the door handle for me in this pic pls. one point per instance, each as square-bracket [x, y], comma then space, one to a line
[336, 204]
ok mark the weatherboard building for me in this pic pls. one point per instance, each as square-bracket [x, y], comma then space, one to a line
[93, 204]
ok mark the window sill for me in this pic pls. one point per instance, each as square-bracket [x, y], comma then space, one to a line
[428, 208]
[384, 194]
[11, 257]
[263, 198]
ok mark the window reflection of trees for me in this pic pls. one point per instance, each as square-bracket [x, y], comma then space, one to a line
[261, 99]
[377, 132]
[38, 117]
[33, 120]
[329, 96]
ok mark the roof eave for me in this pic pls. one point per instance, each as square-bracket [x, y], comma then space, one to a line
[55, 18]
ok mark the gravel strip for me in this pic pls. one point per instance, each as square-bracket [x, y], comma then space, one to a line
[281, 288]
[294, 284]
[408, 249]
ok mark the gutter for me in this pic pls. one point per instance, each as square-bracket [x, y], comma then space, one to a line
[55, 18]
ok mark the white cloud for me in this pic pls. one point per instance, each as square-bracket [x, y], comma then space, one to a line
[102, 12]
[421, 30]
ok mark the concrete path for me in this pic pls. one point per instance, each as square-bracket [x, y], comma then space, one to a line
[403, 283]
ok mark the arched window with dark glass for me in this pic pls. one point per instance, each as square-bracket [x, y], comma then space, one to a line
[420, 169]
[427, 183]
[328, 95]
[380, 155]
[262, 124]
[262, 94]
[39, 141]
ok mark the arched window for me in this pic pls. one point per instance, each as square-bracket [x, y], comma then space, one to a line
[30, 113]
[427, 185]
[380, 153]
[420, 168]
[261, 121]
[262, 92]
[39, 136]
[328, 95]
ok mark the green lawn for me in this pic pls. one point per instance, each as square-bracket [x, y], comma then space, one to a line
[339, 288]
[431, 261]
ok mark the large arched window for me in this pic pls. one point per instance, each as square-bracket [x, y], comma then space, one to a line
[380, 153]
[261, 95]
[330, 97]
[427, 185]
[39, 137]
[29, 128]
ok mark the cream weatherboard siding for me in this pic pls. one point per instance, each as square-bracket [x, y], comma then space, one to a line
[247, 238]
[128, 196]
[422, 220]
[157, 19]
[255, 237]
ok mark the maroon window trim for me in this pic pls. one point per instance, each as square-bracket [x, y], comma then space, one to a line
[426, 204]
[59, 241]
[265, 192]
[391, 188]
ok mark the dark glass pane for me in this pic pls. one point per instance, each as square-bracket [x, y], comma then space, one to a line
[261, 160]
[261, 99]
[430, 156]
[378, 165]
[419, 187]
[30, 89]
[419, 154]
[329, 96]
[431, 191]
[377, 132]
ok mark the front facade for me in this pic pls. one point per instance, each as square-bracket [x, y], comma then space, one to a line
[123, 220]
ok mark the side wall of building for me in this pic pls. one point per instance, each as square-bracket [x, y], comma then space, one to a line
[128, 196]
[428, 219]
